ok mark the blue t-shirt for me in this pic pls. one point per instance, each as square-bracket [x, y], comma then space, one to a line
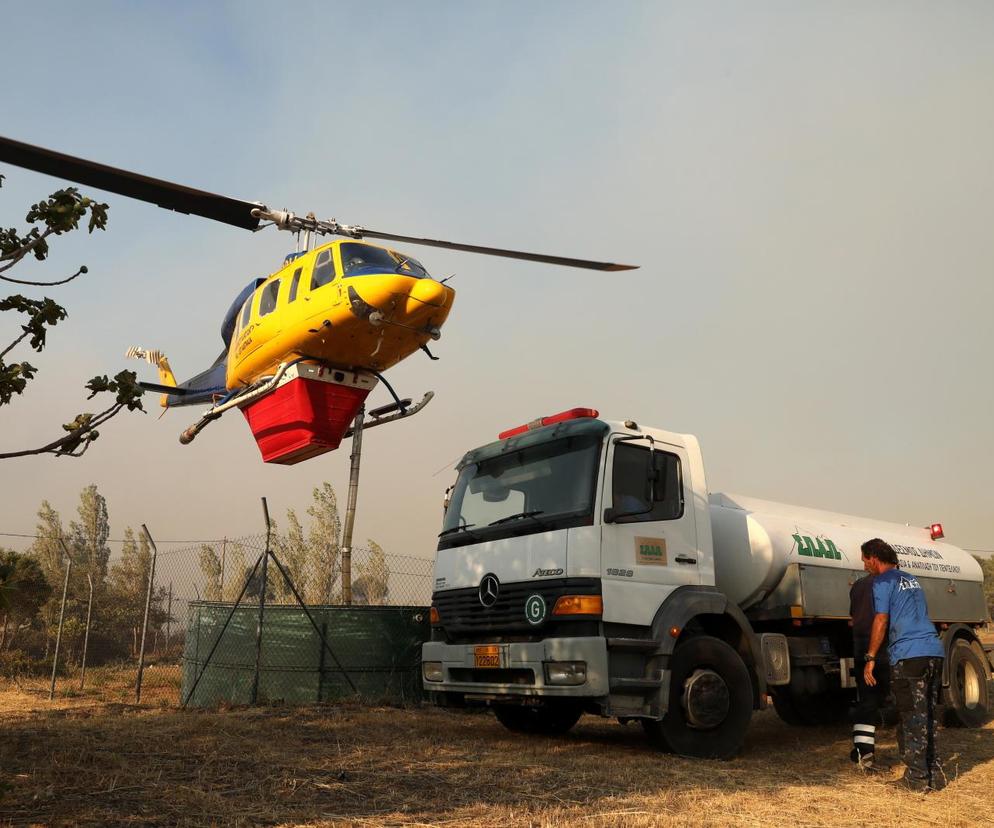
[912, 634]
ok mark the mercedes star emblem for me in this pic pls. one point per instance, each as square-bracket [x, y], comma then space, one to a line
[489, 590]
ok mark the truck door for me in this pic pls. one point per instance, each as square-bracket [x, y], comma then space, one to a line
[649, 540]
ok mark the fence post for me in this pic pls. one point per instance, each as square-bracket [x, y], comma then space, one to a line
[148, 603]
[86, 635]
[351, 507]
[321, 640]
[169, 617]
[224, 547]
[62, 615]
[262, 609]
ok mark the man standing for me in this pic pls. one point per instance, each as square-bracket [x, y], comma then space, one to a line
[866, 716]
[915, 653]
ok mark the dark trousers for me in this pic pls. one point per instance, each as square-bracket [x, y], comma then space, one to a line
[916, 691]
[870, 701]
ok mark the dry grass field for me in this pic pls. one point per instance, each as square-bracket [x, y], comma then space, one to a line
[84, 760]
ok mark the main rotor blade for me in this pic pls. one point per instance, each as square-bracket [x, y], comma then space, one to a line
[153, 190]
[497, 251]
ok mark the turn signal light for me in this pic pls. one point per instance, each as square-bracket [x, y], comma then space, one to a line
[578, 605]
[552, 419]
[433, 615]
[935, 530]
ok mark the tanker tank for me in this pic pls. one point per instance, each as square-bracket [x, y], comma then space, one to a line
[761, 548]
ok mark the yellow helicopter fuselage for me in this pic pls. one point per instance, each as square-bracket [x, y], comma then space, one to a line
[348, 304]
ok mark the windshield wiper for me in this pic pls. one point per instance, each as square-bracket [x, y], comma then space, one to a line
[452, 529]
[518, 516]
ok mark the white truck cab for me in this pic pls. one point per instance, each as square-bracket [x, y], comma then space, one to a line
[582, 566]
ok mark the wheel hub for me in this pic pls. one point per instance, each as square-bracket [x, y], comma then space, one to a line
[970, 682]
[705, 699]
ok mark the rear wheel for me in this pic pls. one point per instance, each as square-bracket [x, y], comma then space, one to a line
[548, 719]
[967, 699]
[710, 702]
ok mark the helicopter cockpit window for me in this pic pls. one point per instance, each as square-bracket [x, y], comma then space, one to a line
[267, 303]
[366, 260]
[324, 270]
[294, 284]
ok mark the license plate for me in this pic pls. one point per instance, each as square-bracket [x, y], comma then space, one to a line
[486, 656]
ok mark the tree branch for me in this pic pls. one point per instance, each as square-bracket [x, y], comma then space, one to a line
[79, 272]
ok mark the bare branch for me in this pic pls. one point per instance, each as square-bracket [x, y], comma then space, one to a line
[79, 272]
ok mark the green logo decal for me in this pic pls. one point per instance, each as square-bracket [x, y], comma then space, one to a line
[535, 609]
[817, 548]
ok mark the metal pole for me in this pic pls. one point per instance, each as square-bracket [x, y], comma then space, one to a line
[169, 616]
[86, 635]
[262, 609]
[224, 545]
[62, 615]
[350, 508]
[148, 604]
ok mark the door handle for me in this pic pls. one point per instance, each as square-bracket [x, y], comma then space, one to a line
[684, 559]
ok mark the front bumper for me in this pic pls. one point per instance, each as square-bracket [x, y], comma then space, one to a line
[522, 669]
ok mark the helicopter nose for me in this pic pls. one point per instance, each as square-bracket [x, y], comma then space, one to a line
[427, 292]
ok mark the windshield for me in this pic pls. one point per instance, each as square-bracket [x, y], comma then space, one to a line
[542, 487]
[364, 259]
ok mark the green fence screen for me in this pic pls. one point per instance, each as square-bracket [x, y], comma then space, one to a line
[378, 648]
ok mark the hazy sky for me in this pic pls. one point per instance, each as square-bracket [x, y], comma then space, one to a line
[808, 188]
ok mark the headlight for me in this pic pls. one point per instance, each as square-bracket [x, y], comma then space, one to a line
[570, 673]
[432, 670]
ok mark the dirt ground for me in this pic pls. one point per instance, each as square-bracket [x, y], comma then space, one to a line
[88, 761]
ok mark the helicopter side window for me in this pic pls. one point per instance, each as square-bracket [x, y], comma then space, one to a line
[267, 303]
[247, 312]
[324, 270]
[294, 283]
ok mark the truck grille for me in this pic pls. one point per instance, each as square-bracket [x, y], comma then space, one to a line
[461, 612]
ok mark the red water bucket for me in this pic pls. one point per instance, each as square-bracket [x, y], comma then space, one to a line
[303, 418]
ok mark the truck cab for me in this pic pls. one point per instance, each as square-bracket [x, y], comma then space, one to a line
[573, 552]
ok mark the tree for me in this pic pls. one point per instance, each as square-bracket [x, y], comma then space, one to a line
[294, 551]
[50, 553]
[23, 590]
[60, 213]
[372, 585]
[88, 537]
[210, 566]
[325, 551]
[129, 586]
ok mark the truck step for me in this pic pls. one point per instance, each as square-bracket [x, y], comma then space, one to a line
[641, 645]
[635, 685]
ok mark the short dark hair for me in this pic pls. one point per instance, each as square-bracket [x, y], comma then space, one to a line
[879, 549]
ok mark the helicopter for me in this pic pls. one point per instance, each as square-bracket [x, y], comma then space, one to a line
[303, 346]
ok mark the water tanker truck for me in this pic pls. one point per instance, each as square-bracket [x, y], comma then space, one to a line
[583, 566]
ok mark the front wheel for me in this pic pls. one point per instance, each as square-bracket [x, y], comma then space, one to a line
[543, 719]
[710, 702]
[968, 702]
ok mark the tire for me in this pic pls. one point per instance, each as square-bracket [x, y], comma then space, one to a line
[709, 683]
[968, 697]
[544, 719]
[807, 701]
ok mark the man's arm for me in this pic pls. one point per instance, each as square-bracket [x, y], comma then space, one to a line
[877, 634]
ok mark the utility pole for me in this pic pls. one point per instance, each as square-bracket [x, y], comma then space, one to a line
[350, 508]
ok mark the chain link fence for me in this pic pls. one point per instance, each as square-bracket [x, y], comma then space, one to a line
[371, 647]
